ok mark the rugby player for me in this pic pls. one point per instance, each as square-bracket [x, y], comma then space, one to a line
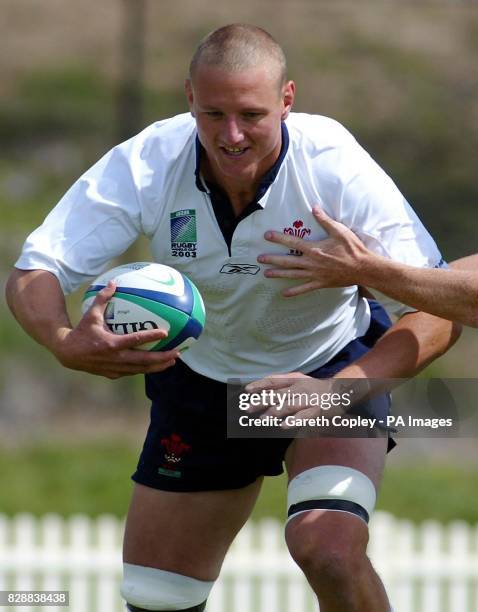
[343, 259]
[239, 164]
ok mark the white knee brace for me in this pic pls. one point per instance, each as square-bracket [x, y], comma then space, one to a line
[154, 589]
[331, 487]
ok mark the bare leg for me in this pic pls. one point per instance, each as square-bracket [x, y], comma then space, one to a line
[187, 533]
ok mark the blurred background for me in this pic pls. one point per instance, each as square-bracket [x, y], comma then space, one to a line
[77, 77]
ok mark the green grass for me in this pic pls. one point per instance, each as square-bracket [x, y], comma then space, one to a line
[70, 101]
[88, 478]
[93, 478]
[437, 491]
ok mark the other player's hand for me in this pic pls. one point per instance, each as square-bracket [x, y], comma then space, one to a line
[336, 261]
[93, 348]
[294, 394]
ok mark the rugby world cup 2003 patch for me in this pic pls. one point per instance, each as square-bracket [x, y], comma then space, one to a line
[183, 233]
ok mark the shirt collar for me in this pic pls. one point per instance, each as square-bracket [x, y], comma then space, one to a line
[268, 178]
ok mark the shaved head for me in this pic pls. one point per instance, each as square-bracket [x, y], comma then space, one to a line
[238, 47]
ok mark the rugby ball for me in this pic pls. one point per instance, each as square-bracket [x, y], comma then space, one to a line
[151, 296]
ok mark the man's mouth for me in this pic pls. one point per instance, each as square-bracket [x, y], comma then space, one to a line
[234, 151]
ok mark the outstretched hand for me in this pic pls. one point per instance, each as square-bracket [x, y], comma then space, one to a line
[333, 262]
[92, 347]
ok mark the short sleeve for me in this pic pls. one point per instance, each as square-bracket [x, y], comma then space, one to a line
[97, 219]
[375, 209]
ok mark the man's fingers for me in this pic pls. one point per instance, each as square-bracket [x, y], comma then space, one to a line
[132, 361]
[136, 339]
[101, 300]
[332, 227]
[119, 371]
[287, 240]
[145, 358]
[129, 369]
[267, 383]
[288, 273]
[301, 289]
[329, 225]
[285, 261]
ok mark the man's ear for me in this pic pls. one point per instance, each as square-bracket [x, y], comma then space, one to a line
[188, 89]
[288, 95]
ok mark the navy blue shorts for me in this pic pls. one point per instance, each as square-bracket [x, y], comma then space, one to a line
[186, 447]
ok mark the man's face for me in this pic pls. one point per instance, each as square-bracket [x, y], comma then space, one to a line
[238, 118]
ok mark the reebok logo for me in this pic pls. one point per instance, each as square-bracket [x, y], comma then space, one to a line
[239, 269]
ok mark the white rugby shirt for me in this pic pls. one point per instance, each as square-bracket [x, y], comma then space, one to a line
[147, 185]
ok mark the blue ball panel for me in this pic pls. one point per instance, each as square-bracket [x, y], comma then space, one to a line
[192, 329]
[184, 303]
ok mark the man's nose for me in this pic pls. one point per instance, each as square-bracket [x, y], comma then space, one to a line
[233, 132]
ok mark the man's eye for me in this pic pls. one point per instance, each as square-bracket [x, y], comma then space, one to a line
[252, 115]
[214, 114]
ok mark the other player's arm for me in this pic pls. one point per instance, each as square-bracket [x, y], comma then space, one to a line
[448, 293]
[343, 260]
[412, 343]
[36, 300]
[407, 347]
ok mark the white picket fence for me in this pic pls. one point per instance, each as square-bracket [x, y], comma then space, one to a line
[426, 568]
